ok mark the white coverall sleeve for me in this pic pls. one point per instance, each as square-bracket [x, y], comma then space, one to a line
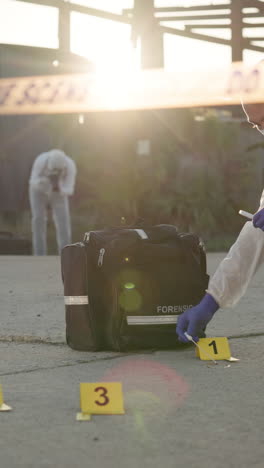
[232, 277]
[37, 178]
[37, 169]
[67, 184]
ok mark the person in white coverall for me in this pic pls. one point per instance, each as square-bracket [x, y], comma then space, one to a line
[51, 182]
[233, 275]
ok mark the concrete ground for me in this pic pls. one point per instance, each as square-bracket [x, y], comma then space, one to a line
[179, 411]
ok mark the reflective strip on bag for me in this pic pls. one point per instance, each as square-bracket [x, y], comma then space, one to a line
[151, 320]
[76, 300]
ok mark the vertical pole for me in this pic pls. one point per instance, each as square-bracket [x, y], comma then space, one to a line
[237, 30]
[64, 28]
[146, 27]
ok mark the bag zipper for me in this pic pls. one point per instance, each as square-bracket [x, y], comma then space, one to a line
[101, 257]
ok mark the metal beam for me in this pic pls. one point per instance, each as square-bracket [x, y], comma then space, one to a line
[249, 46]
[204, 17]
[64, 29]
[192, 35]
[124, 18]
[246, 4]
[184, 9]
[254, 4]
[99, 13]
[207, 26]
[81, 9]
[236, 30]
[204, 37]
[222, 26]
[194, 18]
[51, 3]
[146, 27]
[251, 25]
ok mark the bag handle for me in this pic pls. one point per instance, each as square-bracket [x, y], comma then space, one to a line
[142, 234]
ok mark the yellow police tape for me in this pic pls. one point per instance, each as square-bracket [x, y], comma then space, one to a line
[146, 89]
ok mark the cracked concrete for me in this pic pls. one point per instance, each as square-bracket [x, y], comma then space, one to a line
[179, 410]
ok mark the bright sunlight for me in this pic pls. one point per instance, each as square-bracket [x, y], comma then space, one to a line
[106, 43]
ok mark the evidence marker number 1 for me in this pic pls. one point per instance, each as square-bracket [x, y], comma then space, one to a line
[3, 406]
[213, 349]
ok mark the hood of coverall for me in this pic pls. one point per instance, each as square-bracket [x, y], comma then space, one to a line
[56, 160]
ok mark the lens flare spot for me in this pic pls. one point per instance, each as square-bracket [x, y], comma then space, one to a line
[129, 286]
[130, 299]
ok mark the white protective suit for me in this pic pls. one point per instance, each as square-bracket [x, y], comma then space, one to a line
[44, 193]
[233, 275]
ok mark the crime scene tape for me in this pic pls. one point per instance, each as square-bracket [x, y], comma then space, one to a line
[147, 89]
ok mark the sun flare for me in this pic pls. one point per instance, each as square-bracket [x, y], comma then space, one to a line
[106, 44]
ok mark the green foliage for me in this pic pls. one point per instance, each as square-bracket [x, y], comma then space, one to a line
[196, 176]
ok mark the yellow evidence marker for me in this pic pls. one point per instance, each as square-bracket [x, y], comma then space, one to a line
[216, 347]
[101, 398]
[3, 406]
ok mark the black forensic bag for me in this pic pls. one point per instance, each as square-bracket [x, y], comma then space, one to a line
[83, 308]
[138, 281]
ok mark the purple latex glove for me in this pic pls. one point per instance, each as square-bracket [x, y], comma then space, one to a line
[258, 219]
[194, 320]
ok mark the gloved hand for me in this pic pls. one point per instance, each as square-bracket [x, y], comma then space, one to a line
[194, 320]
[258, 219]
